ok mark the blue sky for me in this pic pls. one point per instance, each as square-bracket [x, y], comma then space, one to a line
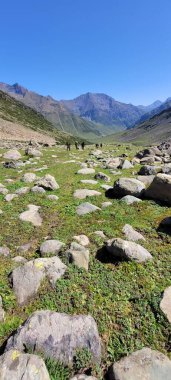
[68, 47]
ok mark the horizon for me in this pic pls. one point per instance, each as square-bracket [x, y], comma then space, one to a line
[64, 50]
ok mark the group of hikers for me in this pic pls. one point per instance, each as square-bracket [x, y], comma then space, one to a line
[78, 146]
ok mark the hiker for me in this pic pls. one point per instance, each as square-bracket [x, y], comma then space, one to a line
[76, 144]
[101, 145]
[97, 145]
[68, 145]
[83, 145]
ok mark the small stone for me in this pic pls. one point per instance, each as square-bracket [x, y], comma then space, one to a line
[3, 190]
[106, 204]
[4, 251]
[131, 234]
[102, 176]
[82, 239]
[100, 234]
[52, 197]
[89, 181]
[48, 182]
[22, 191]
[12, 154]
[19, 260]
[130, 199]
[78, 255]
[86, 208]
[10, 197]
[84, 193]
[38, 189]
[51, 247]
[2, 312]
[32, 215]
[86, 171]
[29, 177]
[165, 304]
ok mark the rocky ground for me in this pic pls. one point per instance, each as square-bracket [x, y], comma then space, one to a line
[85, 254]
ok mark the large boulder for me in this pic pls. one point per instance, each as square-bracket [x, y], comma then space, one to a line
[128, 250]
[15, 365]
[51, 247]
[144, 364]
[78, 255]
[132, 234]
[32, 152]
[57, 335]
[48, 182]
[165, 304]
[32, 215]
[26, 279]
[160, 188]
[128, 186]
[12, 154]
[149, 170]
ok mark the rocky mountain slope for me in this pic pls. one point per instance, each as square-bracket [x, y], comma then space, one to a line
[54, 111]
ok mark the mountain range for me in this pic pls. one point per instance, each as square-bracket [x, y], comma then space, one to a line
[94, 115]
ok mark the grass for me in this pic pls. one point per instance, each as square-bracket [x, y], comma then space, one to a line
[123, 297]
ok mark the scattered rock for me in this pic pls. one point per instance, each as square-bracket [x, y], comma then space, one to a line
[86, 171]
[128, 186]
[149, 170]
[26, 279]
[160, 188]
[4, 251]
[57, 335]
[165, 304]
[19, 259]
[48, 182]
[52, 197]
[24, 248]
[144, 364]
[83, 377]
[78, 255]
[32, 215]
[10, 197]
[89, 181]
[146, 179]
[125, 165]
[29, 177]
[2, 315]
[102, 176]
[106, 187]
[100, 234]
[84, 193]
[32, 152]
[51, 247]
[130, 199]
[12, 154]
[123, 249]
[15, 365]
[3, 190]
[131, 234]
[82, 239]
[86, 208]
[22, 191]
[106, 204]
[38, 189]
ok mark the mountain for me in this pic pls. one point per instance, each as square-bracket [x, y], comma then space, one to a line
[151, 107]
[54, 111]
[155, 111]
[103, 109]
[22, 123]
[153, 131]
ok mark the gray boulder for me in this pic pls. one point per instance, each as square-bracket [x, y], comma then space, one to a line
[22, 191]
[82, 239]
[15, 365]
[2, 312]
[78, 255]
[57, 335]
[51, 247]
[32, 215]
[149, 170]
[26, 279]
[38, 189]
[128, 250]
[83, 377]
[165, 304]
[128, 186]
[28, 177]
[86, 208]
[33, 152]
[144, 364]
[12, 154]
[130, 199]
[48, 182]
[86, 171]
[84, 193]
[131, 234]
[4, 251]
[160, 188]
[125, 165]
[102, 176]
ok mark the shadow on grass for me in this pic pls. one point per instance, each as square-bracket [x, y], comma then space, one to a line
[165, 226]
[107, 258]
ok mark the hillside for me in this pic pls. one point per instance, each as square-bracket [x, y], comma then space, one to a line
[155, 130]
[154, 111]
[54, 111]
[19, 122]
[103, 109]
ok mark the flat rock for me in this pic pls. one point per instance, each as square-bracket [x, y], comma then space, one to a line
[131, 234]
[3, 190]
[10, 197]
[57, 335]
[102, 176]
[84, 193]
[106, 204]
[165, 304]
[86, 208]
[48, 182]
[32, 215]
[51, 247]
[52, 197]
[89, 181]
[83, 377]
[22, 191]
[144, 364]
[82, 239]
[19, 259]
[128, 250]
[106, 187]
[128, 186]
[86, 171]
[38, 189]
[130, 199]
[12, 154]
[26, 279]
[78, 255]
[28, 177]
[146, 179]
[4, 251]
[15, 365]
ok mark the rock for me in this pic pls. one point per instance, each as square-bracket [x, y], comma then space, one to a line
[38, 189]
[22, 191]
[10, 197]
[89, 181]
[86, 208]
[100, 234]
[130, 199]
[84, 193]
[1, 212]
[165, 304]
[15, 365]
[146, 179]
[48, 182]
[83, 377]
[19, 259]
[51, 247]
[128, 186]
[52, 197]
[12, 154]
[123, 249]
[125, 165]
[2, 315]
[106, 187]
[102, 176]
[78, 255]
[147, 160]
[3, 190]
[4, 251]
[149, 170]
[131, 234]
[160, 188]
[86, 171]
[82, 239]
[32, 215]
[26, 279]
[32, 152]
[29, 177]
[144, 364]
[24, 248]
[57, 335]
[106, 204]
[113, 163]
[96, 153]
